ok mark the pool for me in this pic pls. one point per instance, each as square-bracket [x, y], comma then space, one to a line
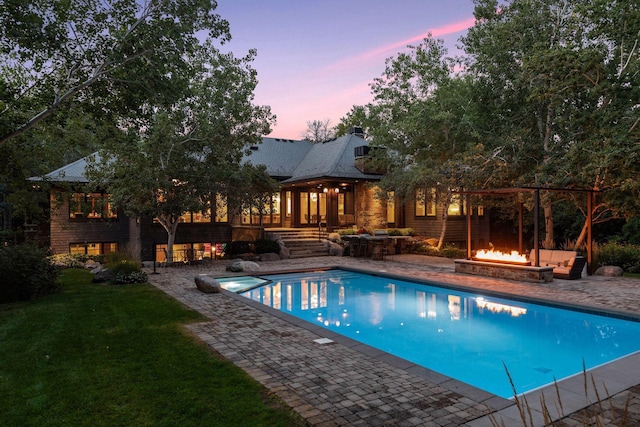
[466, 336]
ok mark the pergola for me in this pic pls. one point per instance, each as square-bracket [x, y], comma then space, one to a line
[536, 211]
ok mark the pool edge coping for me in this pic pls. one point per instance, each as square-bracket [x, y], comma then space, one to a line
[575, 395]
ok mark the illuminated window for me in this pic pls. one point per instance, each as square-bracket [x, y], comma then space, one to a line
[456, 206]
[92, 248]
[426, 202]
[91, 205]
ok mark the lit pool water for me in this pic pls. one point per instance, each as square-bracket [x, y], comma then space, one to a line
[469, 337]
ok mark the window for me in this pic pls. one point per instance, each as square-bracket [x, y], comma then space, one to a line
[287, 196]
[391, 207]
[270, 212]
[222, 209]
[199, 251]
[91, 205]
[92, 248]
[456, 206]
[426, 202]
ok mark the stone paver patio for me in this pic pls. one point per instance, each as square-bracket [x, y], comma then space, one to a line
[347, 383]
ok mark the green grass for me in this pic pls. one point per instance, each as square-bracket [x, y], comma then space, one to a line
[97, 355]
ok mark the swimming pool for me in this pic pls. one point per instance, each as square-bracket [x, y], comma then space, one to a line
[466, 336]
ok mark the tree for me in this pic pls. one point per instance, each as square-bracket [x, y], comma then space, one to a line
[423, 115]
[251, 189]
[114, 57]
[318, 131]
[180, 158]
[559, 80]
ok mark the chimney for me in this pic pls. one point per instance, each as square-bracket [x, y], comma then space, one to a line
[357, 131]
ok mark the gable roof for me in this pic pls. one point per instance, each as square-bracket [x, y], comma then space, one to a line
[332, 159]
[280, 156]
[290, 161]
[73, 172]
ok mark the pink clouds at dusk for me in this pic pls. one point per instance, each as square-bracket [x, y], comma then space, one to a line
[316, 59]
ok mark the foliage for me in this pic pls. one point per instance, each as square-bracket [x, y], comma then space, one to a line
[630, 232]
[131, 277]
[123, 353]
[26, 272]
[239, 247]
[625, 256]
[265, 246]
[251, 188]
[179, 158]
[116, 57]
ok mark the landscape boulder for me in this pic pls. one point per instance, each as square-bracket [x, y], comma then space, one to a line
[335, 249]
[207, 285]
[270, 256]
[241, 266]
[334, 237]
[104, 275]
[610, 271]
[285, 253]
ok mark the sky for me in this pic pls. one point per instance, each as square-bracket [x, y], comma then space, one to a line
[316, 58]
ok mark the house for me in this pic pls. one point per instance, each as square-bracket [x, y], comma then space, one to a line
[328, 185]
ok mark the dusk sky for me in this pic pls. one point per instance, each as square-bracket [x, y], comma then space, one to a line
[316, 58]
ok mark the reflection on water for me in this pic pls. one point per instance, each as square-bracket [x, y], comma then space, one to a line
[465, 336]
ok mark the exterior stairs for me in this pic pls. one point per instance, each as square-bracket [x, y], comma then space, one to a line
[302, 242]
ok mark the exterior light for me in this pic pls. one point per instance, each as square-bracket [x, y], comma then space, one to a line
[326, 190]
[337, 190]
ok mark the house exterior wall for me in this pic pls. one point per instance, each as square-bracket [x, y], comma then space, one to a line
[65, 231]
[431, 226]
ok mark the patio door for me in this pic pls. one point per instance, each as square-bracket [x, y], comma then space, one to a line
[313, 208]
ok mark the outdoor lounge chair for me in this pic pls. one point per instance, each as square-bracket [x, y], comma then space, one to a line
[573, 269]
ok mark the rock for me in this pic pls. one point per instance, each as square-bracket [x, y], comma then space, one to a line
[335, 249]
[285, 253]
[610, 271]
[91, 264]
[97, 269]
[269, 257]
[104, 275]
[207, 285]
[333, 237]
[241, 265]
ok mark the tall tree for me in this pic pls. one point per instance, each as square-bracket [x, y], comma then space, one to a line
[179, 159]
[426, 121]
[114, 57]
[560, 86]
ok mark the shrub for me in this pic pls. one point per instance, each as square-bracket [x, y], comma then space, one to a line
[26, 272]
[265, 246]
[131, 277]
[625, 256]
[238, 247]
[346, 232]
[74, 260]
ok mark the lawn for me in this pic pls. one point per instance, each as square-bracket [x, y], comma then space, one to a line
[99, 355]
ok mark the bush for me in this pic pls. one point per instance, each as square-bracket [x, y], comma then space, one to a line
[26, 272]
[265, 246]
[239, 247]
[131, 277]
[625, 256]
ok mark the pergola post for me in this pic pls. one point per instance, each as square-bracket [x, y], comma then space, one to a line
[536, 226]
[590, 196]
[468, 226]
[520, 228]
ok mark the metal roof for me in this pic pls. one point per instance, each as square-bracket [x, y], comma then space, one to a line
[285, 159]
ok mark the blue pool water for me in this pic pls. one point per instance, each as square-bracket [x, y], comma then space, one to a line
[469, 337]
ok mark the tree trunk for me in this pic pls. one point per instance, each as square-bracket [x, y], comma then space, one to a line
[548, 226]
[170, 227]
[445, 217]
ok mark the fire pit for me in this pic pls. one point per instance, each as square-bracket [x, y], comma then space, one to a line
[511, 266]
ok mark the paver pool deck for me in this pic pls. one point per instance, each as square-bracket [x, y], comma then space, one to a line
[348, 383]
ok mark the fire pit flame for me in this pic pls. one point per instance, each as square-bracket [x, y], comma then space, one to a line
[491, 255]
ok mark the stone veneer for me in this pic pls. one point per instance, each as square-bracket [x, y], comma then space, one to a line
[523, 273]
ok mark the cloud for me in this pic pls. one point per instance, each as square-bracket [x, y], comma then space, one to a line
[395, 46]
